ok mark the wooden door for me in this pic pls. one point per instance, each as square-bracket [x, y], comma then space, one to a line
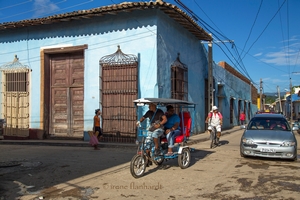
[67, 89]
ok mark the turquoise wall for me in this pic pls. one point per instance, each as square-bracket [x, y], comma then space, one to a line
[102, 35]
[149, 34]
[235, 88]
[171, 40]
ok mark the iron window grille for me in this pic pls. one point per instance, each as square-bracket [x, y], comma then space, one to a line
[16, 82]
[179, 80]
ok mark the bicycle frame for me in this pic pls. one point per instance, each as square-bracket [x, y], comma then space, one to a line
[213, 133]
[146, 147]
[213, 136]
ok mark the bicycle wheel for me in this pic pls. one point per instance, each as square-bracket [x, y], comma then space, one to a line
[138, 166]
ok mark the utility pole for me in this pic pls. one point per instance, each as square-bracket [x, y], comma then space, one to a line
[210, 99]
[291, 92]
[210, 77]
[280, 108]
[260, 94]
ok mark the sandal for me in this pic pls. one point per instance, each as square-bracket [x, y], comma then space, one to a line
[169, 154]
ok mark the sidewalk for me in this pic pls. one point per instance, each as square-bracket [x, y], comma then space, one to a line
[80, 143]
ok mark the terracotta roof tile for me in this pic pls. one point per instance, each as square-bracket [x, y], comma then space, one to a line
[173, 11]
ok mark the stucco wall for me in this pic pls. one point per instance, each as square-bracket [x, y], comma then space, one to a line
[171, 40]
[233, 87]
[149, 34]
[135, 32]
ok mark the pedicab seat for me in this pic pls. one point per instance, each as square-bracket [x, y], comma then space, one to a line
[187, 123]
[185, 128]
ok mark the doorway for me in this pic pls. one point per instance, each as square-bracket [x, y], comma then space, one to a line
[63, 95]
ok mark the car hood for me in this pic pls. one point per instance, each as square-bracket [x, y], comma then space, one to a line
[269, 135]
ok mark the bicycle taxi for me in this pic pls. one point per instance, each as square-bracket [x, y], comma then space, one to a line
[145, 143]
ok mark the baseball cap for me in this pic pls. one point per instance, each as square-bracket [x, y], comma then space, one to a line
[214, 108]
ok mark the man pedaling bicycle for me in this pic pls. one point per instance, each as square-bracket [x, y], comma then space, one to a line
[215, 119]
[158, 119]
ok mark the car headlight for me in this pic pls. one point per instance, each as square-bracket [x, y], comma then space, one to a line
[288, 144]
[247, 141]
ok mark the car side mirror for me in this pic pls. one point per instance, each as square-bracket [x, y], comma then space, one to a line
[295, 128]
[243, 126]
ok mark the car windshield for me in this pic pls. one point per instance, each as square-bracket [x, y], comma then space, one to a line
[269, 124]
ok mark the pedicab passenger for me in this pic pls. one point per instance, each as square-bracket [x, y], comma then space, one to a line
[157, 128]
[172, 129]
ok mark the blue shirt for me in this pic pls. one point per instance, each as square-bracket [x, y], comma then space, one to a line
[172, 120]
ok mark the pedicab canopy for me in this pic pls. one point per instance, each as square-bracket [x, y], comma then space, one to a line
[161, 101]
[185, 116]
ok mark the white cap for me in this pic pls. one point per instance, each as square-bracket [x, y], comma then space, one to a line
[214, 108]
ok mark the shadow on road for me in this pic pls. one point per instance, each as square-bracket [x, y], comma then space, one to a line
[42, 167]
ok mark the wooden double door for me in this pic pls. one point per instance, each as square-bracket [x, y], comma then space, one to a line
[66, 94]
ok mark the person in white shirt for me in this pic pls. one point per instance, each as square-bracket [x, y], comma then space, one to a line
[215, 119]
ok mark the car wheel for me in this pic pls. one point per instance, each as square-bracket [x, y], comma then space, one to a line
[296, 157]
[242, 155]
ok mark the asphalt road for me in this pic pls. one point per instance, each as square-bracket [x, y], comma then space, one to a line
[68, 172]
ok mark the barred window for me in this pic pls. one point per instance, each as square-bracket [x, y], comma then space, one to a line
[16, 82]
[179, 83]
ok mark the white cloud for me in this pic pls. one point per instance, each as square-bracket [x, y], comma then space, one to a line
[43, 7]
[293, 38]
[258, 54]
[285, 56]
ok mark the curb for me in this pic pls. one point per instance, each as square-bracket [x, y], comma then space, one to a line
[195, 141]
[66, 144]
[75, 143]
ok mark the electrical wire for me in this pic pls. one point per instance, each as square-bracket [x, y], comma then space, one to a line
[15, 5]
[212, 30]
[29, 11]
[265, 27]
[47, 13]
[252, 26]
[238, 63]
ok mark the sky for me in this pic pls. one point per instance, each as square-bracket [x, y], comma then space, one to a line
[259, 38]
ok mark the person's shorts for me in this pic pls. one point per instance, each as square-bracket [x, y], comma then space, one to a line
[99, 130]
[157, 133]
[218, 128]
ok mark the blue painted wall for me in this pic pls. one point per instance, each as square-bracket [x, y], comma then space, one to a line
[151, 35]
[233, 88]
[171, 40]
[101, 36]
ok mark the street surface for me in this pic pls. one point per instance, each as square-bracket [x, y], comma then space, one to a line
[63, 172]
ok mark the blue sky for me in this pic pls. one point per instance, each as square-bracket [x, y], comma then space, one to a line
[259, 38]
